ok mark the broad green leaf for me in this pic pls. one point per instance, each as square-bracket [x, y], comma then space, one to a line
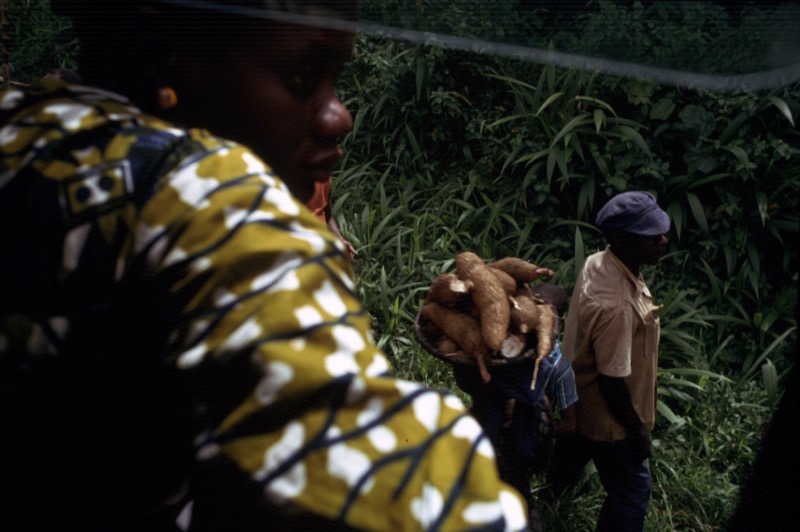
[676, 339]
[533, 156]
[686, 383]
[697, 211]
[548, 101]
[618, 182]
[740, 154]
[667, 412]
[770, 377]
[561, 160]
[698, 119]
[753, 257]
[762, 201]
[420, 77]
[764, 354]
[662, 109]
[412, 139]
[675, 212]
[505, 119]
[754, 284]
[550, 71]
[552, 157]
[378, 108]
[599, 119]
[580, 254]
[585, 196]
[513, 81]
[698, 373]
[631, 133]
[710, 179]
[730, 259]
[734, 126]
[580, 120]
[738, 306]
[782, 107]
[595, 101]
[599, 160]
[716, 284]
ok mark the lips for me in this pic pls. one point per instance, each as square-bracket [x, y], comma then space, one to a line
[323, 163]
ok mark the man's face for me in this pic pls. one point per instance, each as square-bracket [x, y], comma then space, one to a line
[276, 95]
[649, 249]
[636, 250]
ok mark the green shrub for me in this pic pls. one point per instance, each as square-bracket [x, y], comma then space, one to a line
[457, 151]
[38, 40]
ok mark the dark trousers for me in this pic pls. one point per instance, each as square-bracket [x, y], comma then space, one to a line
[626, 481]
[514, 439]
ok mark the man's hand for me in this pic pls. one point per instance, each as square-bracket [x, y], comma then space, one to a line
[618, 398]
[351, 249]
[641, 446]
[348, 246]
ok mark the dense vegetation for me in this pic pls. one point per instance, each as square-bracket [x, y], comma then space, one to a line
[455, 150]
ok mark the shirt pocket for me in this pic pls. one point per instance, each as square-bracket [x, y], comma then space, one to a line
[652, 331]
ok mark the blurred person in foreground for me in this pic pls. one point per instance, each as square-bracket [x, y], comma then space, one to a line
[611, 337]
[181, 346]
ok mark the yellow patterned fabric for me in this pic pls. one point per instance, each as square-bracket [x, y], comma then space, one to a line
[167, 304]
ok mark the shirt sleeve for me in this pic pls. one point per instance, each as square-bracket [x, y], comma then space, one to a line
[296, 394]
[565, 389]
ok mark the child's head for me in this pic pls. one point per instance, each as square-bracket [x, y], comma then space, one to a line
[553, 294]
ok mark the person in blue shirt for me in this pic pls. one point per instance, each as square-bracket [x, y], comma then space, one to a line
[560, 387]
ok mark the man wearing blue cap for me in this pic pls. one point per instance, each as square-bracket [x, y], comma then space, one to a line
[611, 338]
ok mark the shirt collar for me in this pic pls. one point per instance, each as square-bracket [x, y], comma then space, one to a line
[636, 280]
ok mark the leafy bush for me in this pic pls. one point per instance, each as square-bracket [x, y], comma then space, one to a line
[38, 40]
[457, 151]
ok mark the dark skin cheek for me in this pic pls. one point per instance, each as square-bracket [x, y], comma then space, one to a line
[244, 110]
[249, 98]
[636, 251]
[302, 190]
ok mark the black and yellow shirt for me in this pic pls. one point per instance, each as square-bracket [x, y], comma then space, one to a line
[169, 313]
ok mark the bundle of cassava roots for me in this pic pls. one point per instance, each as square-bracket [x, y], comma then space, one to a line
[487, 311]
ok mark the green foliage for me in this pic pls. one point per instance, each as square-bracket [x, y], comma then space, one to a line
[703, 37]
[38, 40]
[457, 151]
[697, 466]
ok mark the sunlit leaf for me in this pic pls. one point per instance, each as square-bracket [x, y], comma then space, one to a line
[782, 107]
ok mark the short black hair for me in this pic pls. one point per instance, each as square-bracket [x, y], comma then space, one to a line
[64, 74]
[553, 294]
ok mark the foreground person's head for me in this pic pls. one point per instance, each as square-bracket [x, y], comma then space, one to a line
[269, 84]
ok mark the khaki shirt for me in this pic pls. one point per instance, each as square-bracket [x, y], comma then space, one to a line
[612, 329]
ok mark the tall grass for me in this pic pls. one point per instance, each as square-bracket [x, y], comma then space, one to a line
[435, 168]
[709, 425]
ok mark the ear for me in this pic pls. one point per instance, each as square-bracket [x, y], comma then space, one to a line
[155, 58]
[612, 235]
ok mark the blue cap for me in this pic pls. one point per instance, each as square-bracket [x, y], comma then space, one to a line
[633, 212]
